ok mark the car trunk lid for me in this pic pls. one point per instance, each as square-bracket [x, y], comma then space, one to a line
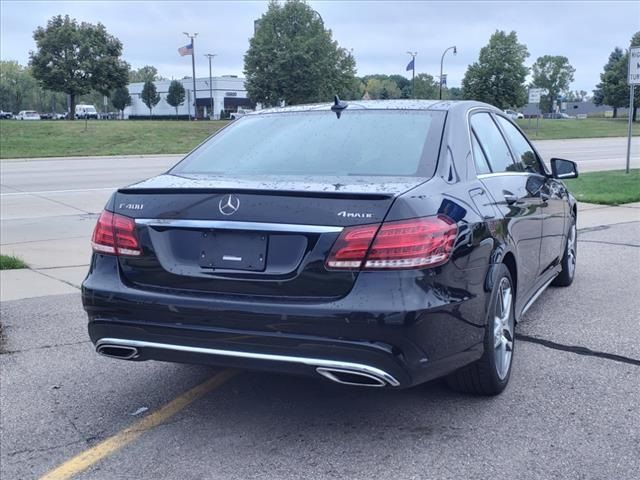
[248, 236]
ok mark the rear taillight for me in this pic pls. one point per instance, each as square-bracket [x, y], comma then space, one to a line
[116, 235]
[404, 244]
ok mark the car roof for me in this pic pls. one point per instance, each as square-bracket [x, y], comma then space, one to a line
[400, 104]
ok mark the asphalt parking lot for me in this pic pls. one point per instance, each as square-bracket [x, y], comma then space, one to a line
[570, 411]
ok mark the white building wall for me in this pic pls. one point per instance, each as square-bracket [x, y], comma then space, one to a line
[222, 87]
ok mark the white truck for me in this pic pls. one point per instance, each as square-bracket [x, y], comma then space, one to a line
[86, 111]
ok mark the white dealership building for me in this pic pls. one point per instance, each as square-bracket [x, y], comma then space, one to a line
[228, 93]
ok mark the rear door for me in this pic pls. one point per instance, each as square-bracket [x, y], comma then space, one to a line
[513, 191]
[550, 191]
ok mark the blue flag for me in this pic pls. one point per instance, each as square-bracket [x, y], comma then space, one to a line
[410, 66]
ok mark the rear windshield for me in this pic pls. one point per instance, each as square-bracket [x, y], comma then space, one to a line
[374, 142]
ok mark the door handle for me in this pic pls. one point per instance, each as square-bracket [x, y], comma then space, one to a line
[511, 199]
[544, 196]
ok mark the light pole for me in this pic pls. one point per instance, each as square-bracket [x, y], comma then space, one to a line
[193, 67]
[210, 57]
[441, 65]
[413, 74]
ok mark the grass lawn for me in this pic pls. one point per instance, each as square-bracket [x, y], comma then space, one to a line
[60, 138]
[608, 188]
[7, 262]
[574, 128]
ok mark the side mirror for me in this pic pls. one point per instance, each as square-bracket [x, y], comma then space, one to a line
[563, 169]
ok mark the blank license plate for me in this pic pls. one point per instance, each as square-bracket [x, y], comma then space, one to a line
[233, 250]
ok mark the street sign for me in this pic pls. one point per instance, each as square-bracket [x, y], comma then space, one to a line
[634, 66]
[535, 94]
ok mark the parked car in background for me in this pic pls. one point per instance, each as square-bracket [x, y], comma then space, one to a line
[28, 115]
[379, 244]
[5, 115]
[86, 111]
[240, 113]
[558, 116]
[513, 115]
[53, 116]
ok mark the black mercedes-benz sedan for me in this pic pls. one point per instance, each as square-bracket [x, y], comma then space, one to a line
[372, 243]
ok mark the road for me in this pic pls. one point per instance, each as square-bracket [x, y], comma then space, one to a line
[591, 154]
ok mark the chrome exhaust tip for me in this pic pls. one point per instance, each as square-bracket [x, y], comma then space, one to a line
[117, 351]
[351, 377]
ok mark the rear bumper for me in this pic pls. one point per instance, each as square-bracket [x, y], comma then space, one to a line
[332, 369]
[407, 332]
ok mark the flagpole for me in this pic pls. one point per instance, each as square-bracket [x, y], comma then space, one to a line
[413, 74]
[210, 56]
[193, 67]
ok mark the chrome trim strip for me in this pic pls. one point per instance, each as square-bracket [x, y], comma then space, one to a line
[312, 362]
[537, 294]
[231, 225]
[506, 174]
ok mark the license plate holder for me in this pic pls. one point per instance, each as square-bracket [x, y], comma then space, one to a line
[233, 250]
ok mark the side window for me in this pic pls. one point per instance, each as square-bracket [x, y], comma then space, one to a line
[525, 155]
[482, 165]
[493, 143]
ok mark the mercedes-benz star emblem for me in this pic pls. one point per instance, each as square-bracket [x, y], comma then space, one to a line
[229, 204]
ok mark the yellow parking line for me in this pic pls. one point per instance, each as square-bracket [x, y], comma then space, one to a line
[112, 444]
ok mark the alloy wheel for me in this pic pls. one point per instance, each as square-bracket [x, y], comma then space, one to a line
[503, 329]
[571, 250]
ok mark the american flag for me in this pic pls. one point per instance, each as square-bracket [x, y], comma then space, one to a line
[186, 50]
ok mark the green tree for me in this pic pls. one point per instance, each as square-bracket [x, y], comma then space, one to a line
[403, 83]
[426, 86]
[16, 87]
[380, 87]
[176, 94]
[553, 73]
[75, 58]
[402, 88]
[148, 72]
[613, 89]
[20, 91]
[150, 96]
[499, 74]
[613, 84]
[577, 96]
[453, 93]
[121, 99]
[293, 58]
[354, 91]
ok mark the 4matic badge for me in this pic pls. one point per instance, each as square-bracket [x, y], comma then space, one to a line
[346, 214]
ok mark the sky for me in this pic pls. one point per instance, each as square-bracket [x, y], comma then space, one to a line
[378, 32]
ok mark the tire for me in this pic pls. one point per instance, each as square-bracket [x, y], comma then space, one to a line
[490, 374]
[569, 258]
